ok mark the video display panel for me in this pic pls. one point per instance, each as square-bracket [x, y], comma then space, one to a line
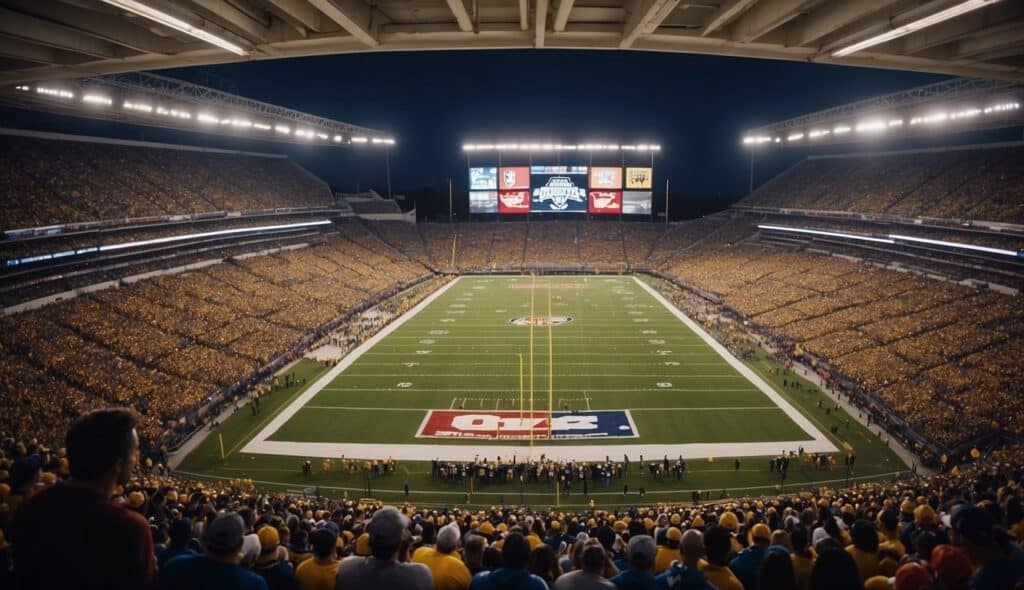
[639, 178]
[483, 201]
[514, 178]
[605, 202]
[483, 179]
[514, 202]
[636, 202]
[605, 177]
[558, 189]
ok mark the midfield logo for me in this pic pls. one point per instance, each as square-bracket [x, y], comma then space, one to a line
[513, 425]
[555, 320]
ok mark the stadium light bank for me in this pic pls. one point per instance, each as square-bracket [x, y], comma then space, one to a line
[560, 147]
[208, 120]
[877, 125]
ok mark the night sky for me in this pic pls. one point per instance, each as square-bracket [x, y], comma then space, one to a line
[696, 107]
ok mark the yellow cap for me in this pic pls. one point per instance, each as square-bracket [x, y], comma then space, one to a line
[675, 520]
[363, 545]
[136, 499]
[674, 534]
[487, 528]
[760, 531]
[730, 521]
[619, 526]
[269, 539]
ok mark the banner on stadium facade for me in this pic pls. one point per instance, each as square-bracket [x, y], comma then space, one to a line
[636, 202]
[514, 178]
[563, 192]
[483, 201]
[640, 178]
[605, 202]
[483, 179]
[514, 202]
[606, 177]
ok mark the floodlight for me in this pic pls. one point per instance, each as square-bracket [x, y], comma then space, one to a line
[282, 129]
[932, 19]
[841, 129]
[871, 126]
[795, 136]
[359, 140]
[207, 118]
[175, 23]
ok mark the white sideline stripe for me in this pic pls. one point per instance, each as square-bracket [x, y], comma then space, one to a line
[655, 376]
[744, 370]
[593, 452]
[478, 390]
[255, 445]
[505, 354]
[497, 399]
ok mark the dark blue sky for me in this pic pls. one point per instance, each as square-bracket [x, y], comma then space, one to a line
[696, 107]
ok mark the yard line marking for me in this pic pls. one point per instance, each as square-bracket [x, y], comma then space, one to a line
[498, 399]
[449, 389]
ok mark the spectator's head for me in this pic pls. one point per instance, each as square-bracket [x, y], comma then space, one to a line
[924, 542]
[691, 547]
[593, 559]
[544, 563]
[492, 558]
[269, 539]
[834, 570]
[640, 552]
[888, 520]
[515, 553]
[913, 576]
[864, 536]
[224, 537]
[179, 533]
[776, 572]
[324, 541]
[103, 446]
[606, 535]
[972, 527]
[717, 544]
[952, 567]
[473, 551]
[760, 535]
[385, 529]
[448, 538]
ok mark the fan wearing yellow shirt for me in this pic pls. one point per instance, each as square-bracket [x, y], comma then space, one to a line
[864, 549]
[319, 572]
[448, 570]
[668, 552]
[889, 532]
[717, 547]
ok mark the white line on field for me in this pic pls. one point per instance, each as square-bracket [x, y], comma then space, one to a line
[497, 400]
[478, 390]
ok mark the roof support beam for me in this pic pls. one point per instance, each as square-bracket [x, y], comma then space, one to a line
[540, 23]
[15, 24]
[255, 29]
[299, 12]
[729, 10]
[976, 23]
[831, 16]
[355, 16]
[987, 41]
[524, 14]
[562, 15]
[102, 26]
[644, 18]
[764, 17]
[23, 51]
[458, 8]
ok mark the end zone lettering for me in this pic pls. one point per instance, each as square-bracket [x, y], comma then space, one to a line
[496, 424]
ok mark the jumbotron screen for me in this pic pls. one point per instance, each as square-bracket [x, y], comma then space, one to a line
[597, 190]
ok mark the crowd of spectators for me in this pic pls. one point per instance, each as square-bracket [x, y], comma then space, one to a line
[75, 181]
[135, 526]
[967, 184]
[169, 344]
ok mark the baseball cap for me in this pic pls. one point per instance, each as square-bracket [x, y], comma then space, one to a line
[224, 534]
[269, 538]
[641, 549]
[386, 526]
[730, 521]
[363, 545]
[674, 534]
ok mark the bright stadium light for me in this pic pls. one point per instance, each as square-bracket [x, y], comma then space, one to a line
[841, 129]
[176, 23]
[795, 136]
[336, 138]
[930, 119]
[932, 19]
[895, 122]
[207, 118]
[262, 126]
[830, 234]
[55, 92]
[816, 133]
[282, 129]
[965, 114]
[1003, 107]
[22, 88]
[138, 106]
[873, 125]
[960, 245]
[359, 140]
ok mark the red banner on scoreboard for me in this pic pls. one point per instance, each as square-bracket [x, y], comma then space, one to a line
[514, 177]
[514, 202]
[605, 202]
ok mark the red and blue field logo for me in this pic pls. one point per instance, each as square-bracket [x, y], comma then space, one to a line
[513, 425]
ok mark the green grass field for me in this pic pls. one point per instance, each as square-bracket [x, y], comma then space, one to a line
[613, 346]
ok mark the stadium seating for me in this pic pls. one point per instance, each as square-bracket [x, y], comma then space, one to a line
[81, 181]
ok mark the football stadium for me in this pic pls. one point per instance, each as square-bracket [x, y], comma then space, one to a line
[481, 294]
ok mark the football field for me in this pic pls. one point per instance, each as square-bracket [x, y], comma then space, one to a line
[570, 367]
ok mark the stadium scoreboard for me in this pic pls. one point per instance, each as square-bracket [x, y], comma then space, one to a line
[597, 190]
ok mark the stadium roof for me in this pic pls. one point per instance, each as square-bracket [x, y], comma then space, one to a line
[68, 38]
